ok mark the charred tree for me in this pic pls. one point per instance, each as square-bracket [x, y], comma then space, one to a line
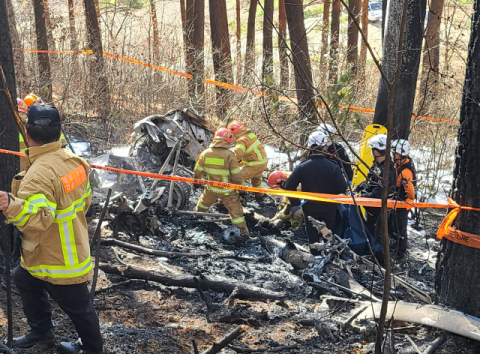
[250, 51]
[325, 33]
[222, 59]
[238, 57]
[282, 46]
[335, 38]
[411, 49]
[301, 59]
[267, 68]
[457, 278]
[352, 45]
[198, 47]
[9, 137]
[431, 54]
[97, 72]
[156, 40]
[18, 56]
[73, 31]
[362, 61]
[49, 25]
[42, 44]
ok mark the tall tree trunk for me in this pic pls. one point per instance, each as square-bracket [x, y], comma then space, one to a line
[238, 57]
[49, 25]
[267, 67]
[97, 72]
[156, 41]
[335, 31]
[42, 44]
[250, 50]
[222, 59]
[73, 31]
[431, 55]
[412, 44]
[198, 45]
[457, 278]
[189, 54]
[362, 62]
[183, 14]
[9, 137]
[97, 11]
[282, 46]
[352, 46]
[301, 59]
[325, 32]
[18, 55]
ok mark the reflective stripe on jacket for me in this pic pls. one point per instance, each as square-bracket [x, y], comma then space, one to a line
[48, 205]
[249, 148]
[220, 165]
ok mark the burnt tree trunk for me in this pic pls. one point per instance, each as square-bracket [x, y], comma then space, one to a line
[249, 69]
[222, 59]
[335, 37]
[71, 21]
[352, 45]
[406, 86]
[267, 68]
[18, 55]
[49, 25]
[362, 61]
[97, 72]
[198, 47]
[156, 40]
[189, 52]
[457, 278]
[42, 44]
[282, 45]
[238, 56]
[325, 32]
[431, 55]
[301, 59]
[9, 137]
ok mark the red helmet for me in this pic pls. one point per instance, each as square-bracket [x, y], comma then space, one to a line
[223, 134]
[235, 126]
[275, 179]
[22, 106]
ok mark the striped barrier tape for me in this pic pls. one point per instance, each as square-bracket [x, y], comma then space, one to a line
[222, 84]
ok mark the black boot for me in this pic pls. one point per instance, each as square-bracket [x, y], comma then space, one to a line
[31, 338]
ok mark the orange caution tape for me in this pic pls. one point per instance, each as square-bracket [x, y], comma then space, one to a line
[221, 84]
[463, 238]
[319, 197]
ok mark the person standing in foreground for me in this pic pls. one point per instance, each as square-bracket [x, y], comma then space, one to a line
[48, 204]
[406, 183]
[318, 174]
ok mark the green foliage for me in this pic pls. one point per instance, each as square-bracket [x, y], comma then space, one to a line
[315, 12]
[131, 4]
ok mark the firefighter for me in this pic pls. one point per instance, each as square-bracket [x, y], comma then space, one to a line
[318, 174]
[405, 188]
[48, 204]
[249, 149]
[219, 164]
[372, 188]
[336, 150]
[22, 113]
[277, 180]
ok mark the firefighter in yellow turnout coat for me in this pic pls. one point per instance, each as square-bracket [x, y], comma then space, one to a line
[219, 164]
[249, 149]
[48, 204]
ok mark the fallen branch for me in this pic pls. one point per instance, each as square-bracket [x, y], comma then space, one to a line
[145, 250]
[263, 350]
[216, 347]
[435, 344]
[289, 253]
[218, 284]
[413, 344]
[205, 297]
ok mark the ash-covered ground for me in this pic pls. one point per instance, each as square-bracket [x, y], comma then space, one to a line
[139, 316]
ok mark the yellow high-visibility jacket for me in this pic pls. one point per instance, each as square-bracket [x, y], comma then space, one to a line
[219, 164]
[249, 148]
[48, 204]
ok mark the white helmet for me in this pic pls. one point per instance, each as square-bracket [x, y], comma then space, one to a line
[326, 128]
[378, 142]
[319, 138]
[401, 147]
